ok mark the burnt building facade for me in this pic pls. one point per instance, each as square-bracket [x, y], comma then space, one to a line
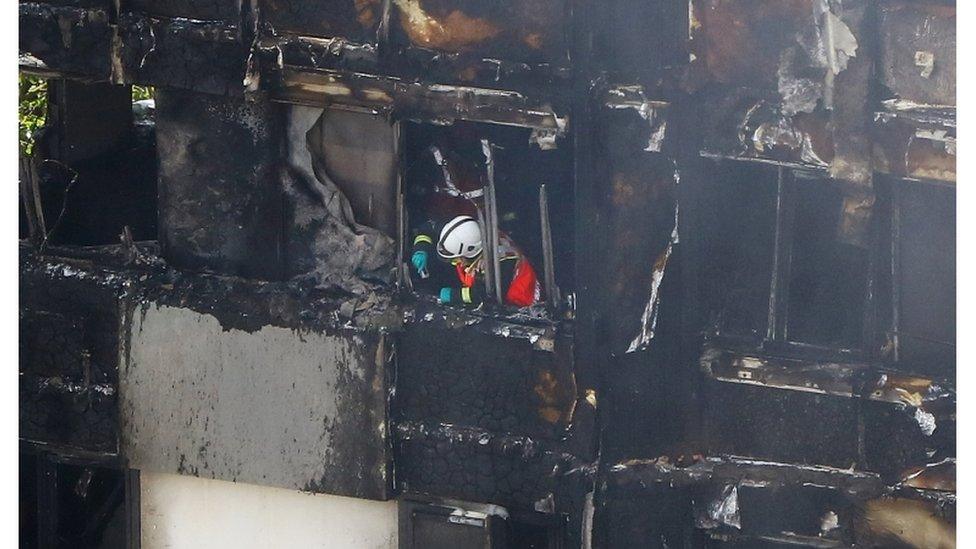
[742, 213]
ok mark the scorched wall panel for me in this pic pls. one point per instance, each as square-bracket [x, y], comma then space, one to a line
[274, 406]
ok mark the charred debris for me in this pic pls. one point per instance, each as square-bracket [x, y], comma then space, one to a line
[747, 209]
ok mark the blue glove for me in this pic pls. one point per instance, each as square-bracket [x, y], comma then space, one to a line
[419, 260]
[445, 296]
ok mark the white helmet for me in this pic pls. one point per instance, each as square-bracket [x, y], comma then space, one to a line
[461, 237]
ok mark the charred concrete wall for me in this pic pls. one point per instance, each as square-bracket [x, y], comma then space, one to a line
[755, 348]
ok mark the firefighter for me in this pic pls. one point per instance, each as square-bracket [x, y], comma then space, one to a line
[459, 244]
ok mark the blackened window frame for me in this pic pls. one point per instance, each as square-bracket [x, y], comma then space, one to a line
[880, 332]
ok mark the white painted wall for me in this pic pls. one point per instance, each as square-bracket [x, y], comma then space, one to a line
[189, 512]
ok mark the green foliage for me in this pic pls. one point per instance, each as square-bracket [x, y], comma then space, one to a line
[32, 110]
[142, 92]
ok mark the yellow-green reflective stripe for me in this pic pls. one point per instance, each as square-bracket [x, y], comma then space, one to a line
[466, 295]
[422, 238]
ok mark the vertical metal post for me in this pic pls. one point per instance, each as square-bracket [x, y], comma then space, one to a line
[31, 195]
[491, 221]
[548, 261]
[779, 287]
[896, 271]
[402, 268]
[489, 272]
[869, 331]
[383, 30]
[133, 509]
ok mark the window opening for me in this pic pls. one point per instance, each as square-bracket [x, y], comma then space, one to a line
[88, 162]
[513, 198]
[827, 276]
[776, 269]
[923, 266]
[737, 211]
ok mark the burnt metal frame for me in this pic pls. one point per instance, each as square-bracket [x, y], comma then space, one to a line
[777, 338]
[777, 330]
[895, 202]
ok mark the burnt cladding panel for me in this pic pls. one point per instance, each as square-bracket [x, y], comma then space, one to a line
[918, 52]
[741, 41]
[220, 207]
[206, 56]
[467, 377]
[660, 517]
[506, 29]
[636, 232]
[455, 462]
[296, 408]
[228, 11]
[102, 4]
[66, 38]
[772, 510]
[69, 354]
[740, 123]
[354, 20]
[909, 148]
[779, 425]
[893, 440]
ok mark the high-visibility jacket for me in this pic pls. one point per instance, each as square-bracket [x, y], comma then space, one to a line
[520, 284]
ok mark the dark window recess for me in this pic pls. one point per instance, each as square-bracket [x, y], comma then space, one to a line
[434, 155]
[737, 212]
[93, 169]
[828, 278]
[925, 268]
[76, 505]
[425, 525]
[775, 267]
